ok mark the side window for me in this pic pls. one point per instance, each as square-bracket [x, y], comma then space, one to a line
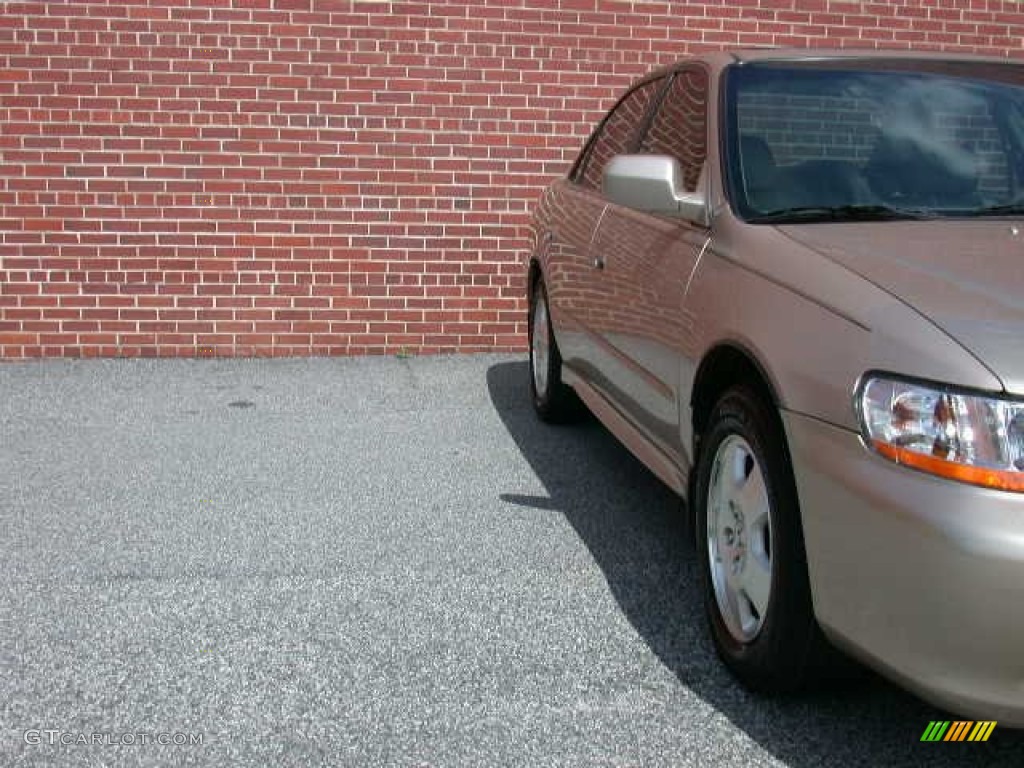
[618, 133]
[680, 126]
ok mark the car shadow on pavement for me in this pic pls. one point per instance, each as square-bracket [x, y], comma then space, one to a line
[634, 528]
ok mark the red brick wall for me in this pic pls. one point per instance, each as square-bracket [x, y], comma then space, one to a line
[291, 177]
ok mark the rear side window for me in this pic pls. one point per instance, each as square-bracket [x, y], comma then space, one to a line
[618, 133]
[680, 126]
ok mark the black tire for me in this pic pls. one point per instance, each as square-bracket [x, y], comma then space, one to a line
[554, 401]
[787, 651]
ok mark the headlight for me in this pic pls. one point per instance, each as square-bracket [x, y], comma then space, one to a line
[959, 435]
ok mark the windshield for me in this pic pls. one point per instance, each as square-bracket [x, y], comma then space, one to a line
[848, 140]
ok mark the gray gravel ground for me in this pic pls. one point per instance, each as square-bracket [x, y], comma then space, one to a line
[368, 562]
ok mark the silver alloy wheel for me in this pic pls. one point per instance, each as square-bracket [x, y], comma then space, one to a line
[540, 348]
[739, 535]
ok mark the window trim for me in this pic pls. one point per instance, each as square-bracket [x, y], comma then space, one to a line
[728, 140]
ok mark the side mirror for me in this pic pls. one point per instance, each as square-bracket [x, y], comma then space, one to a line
[653, 183]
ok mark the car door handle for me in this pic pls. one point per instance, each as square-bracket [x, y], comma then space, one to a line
[598, 263]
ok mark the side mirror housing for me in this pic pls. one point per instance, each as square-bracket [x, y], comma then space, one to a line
[653, 183]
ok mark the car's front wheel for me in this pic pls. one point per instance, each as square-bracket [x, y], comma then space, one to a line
[750, 547]
[554, 401]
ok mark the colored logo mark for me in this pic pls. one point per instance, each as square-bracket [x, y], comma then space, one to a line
[962, 730]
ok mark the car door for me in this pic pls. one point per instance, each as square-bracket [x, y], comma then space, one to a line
[646, 261]
[574, 209]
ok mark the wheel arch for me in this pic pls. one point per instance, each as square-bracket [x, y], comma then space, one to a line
[533, 273]
[724, 366]
[727, 365]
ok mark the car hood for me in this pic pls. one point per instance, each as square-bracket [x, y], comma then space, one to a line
[967, 277]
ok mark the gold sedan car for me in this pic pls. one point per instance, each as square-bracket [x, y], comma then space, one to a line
[791, 282]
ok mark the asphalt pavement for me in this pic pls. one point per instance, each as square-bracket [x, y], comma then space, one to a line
[368, 562]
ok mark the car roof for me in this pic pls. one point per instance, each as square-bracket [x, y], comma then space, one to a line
[723, 58]
[771, 54]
